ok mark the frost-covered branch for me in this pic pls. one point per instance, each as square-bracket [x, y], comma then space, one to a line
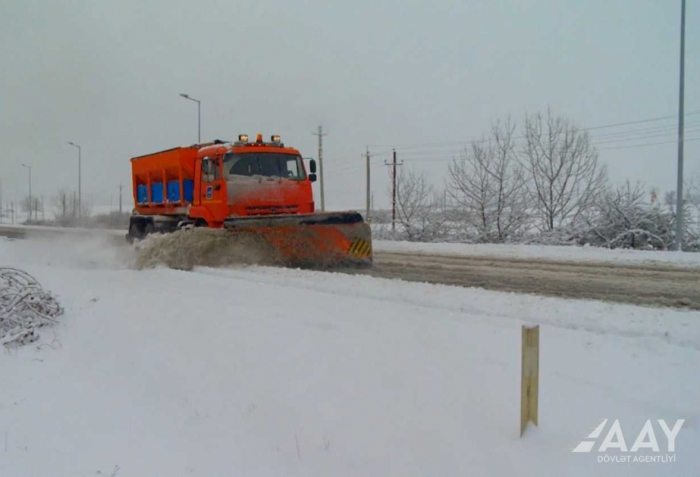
[24, 307]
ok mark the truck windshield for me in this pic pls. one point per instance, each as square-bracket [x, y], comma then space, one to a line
[285, 166]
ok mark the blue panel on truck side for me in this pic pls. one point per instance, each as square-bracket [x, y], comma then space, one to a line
[174, 191]
[142, 194]
[189, 190]
[157, 192]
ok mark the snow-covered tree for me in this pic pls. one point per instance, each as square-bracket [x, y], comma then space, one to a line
[623, 217]
[691, 212]
[418, 208]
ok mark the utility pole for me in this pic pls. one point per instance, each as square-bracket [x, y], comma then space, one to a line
[393, 195]
[120, 197]
[29, 168]
[80, 179]
[679, 194]
[2, 211]
[320, 135]
[367, 218]
[393, 165]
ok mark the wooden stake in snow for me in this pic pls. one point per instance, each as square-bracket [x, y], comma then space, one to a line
[530, 383]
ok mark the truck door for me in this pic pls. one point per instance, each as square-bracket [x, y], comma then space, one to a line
[213, 185]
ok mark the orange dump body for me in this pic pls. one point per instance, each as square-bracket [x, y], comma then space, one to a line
[166, 167]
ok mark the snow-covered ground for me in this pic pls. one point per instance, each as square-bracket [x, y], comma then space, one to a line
[547, 252]
[268, 372]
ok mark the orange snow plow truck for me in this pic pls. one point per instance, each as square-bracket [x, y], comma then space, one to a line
[247, 188]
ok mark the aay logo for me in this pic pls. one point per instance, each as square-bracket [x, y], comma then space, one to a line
[646, 439]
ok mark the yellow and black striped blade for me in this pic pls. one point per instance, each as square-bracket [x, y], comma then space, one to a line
[360, 248]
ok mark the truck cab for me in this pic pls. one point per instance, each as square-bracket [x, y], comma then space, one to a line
[246, 178]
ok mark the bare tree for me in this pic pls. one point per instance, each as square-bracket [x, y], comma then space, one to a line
[691, 213]
[32, 206]
[418, 208]
[563, 170]
[488, 183]
[64, 210]
[25, 205]
[692, 195]
[85, 210]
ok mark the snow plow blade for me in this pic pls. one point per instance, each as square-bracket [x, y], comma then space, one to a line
[320, 240]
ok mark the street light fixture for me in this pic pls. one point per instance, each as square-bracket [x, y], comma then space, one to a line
[30, 190]
[80, 185]
[199, 115]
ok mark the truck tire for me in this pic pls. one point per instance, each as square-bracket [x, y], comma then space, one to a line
[148, 229]
[134, 232]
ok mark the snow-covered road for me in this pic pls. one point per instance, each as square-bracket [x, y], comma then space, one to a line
[624, 276]
[652, 284]
[264, 371]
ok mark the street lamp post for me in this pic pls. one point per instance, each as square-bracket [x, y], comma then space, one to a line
[80, 180]
[679, 193]
[30, 190]
[199, 115]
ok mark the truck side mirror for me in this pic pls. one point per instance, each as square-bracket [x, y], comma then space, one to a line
[312, 166]
[312, 177]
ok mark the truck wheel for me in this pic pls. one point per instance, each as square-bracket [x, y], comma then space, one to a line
[148, 229]
[134, 232]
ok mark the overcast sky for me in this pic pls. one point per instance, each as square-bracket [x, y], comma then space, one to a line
[107, 74]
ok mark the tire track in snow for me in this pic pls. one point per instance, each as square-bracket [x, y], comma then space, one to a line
[650, 285]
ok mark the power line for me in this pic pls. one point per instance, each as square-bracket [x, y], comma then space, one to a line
[660, 118]
[594, 141]
[644, 130]
[447, 157]
[650, 144]
[597, 139]
[614, 140]
[592, 128]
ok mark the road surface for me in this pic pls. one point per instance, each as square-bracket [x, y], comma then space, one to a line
[639, 284]
[652, 285]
